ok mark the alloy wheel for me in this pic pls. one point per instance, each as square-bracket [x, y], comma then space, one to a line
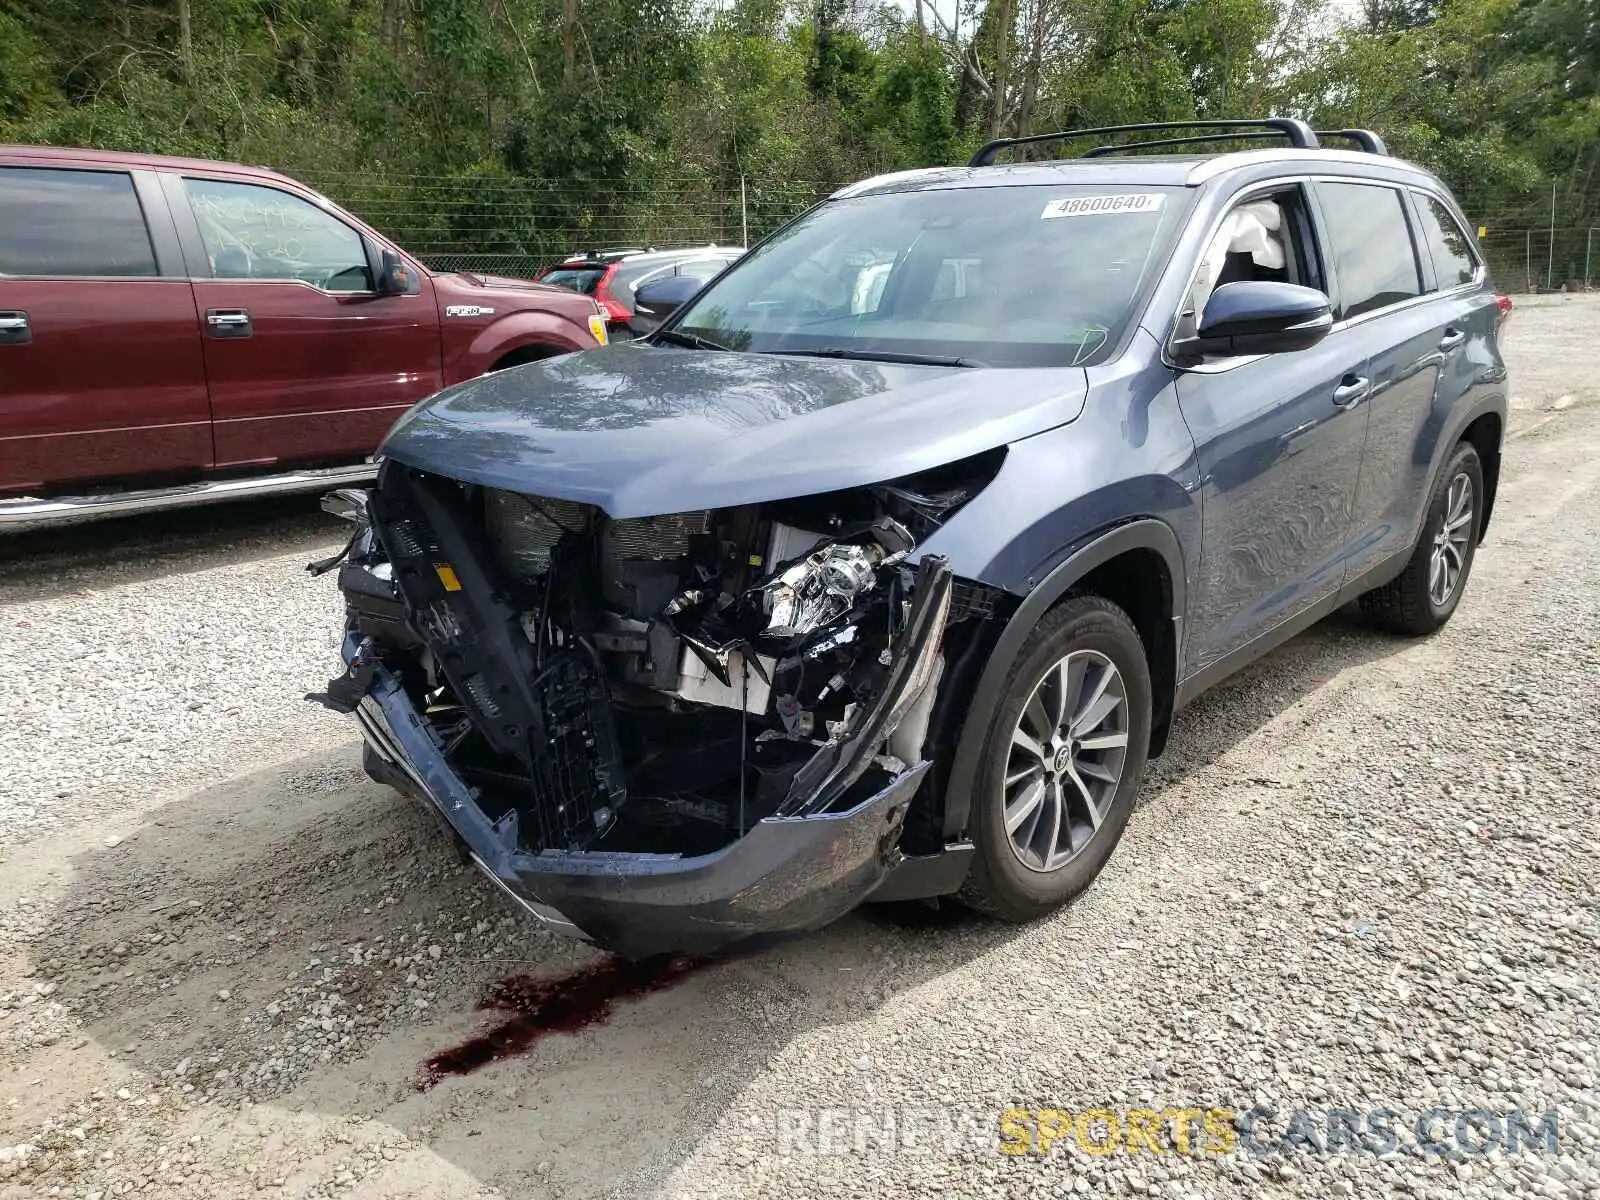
[1066, 759]
[1450, 545]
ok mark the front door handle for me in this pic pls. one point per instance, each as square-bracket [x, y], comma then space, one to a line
[1352, 390]
[14, 330]
[229, 322]
[1452, 338]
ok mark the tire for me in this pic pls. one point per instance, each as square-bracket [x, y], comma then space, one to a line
[1085, 633]
[1417, 602]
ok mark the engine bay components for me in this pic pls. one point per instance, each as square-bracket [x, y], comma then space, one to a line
[656, 684]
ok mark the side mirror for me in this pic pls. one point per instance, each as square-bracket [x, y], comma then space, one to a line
[396, 277]
[655, 301]
[1258, 317]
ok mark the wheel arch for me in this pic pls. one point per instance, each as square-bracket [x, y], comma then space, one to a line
[469, 353]
[526, 352]
[1123, 561]
[1485, 431]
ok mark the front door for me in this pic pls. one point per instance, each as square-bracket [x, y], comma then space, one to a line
[305, 360]
[1279, 440]
[100, 367]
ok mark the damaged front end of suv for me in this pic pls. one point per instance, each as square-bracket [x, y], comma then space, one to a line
[662, 733]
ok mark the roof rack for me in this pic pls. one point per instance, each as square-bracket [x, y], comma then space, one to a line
[1365, 139]
[613, 252]
[1300, 135]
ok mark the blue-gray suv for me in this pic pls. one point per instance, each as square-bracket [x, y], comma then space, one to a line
[881, 569]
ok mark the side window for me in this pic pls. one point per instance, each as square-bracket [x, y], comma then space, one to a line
[1455, 258]
[632, 275]
[1265, 238]
[702, 268]
[1370, 245]
[74, 223]
[253, 232]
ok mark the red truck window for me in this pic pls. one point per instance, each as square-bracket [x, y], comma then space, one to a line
[72, 223]
[255, 232]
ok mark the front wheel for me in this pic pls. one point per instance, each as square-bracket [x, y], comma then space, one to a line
[1062, 761]
[1425, 594]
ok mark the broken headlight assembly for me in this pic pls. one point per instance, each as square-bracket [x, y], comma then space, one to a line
[824, 585]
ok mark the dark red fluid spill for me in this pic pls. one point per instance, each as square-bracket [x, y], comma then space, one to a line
[566, 1004]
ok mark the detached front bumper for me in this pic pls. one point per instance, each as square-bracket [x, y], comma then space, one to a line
[787, 874]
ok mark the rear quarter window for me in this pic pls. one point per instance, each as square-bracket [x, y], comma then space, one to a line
[59, 222]
[1455, 257]
[1370, 245]
[574, 279]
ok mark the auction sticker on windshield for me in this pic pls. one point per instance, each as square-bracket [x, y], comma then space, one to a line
[1094, 206]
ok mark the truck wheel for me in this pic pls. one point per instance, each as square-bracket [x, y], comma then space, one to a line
[1062, 761]
[1423, 596]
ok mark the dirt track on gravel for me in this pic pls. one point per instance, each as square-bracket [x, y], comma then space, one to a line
[1363, 873]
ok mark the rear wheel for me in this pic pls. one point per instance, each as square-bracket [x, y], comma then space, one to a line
[1062, 761]
[1424, 595]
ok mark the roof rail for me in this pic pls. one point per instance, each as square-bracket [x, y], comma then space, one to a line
[1365, 139]
[1226, 136]
[1298, 132]
[609, 252]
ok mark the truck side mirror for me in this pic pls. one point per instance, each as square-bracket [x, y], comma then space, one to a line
[396, 277]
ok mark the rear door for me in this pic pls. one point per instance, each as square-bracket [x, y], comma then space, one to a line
[1383, 306]
[1466, 315]
[305, 360]
[101, 374]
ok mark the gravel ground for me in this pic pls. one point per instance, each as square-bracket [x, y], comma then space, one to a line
[1364, 876]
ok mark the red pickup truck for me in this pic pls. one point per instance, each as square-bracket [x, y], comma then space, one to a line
[175, 331]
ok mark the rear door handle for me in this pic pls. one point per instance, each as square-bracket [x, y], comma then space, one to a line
[1352, 390]
[229, 322]
[1451, 339]
[14, 330]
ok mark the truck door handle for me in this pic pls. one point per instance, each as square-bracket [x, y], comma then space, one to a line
[229, 322]
[1452, 338]
[1352, 390]
[14, 329]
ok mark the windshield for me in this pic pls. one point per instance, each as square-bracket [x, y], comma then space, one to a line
[1004, 276]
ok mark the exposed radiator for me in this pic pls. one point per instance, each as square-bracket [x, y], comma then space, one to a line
[657, 539]
[522, 529]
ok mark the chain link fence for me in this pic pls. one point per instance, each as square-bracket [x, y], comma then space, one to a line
[1551, 259]
[515, 226]
[509, 225]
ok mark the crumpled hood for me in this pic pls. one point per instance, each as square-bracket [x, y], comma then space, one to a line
[641, 430]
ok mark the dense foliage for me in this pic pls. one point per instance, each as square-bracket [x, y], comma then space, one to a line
[487, 123]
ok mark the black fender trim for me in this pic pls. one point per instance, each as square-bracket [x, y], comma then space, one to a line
[1459, 421]
[1144, 534]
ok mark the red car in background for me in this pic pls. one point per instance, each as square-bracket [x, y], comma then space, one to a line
[175, 331]
[612, 276]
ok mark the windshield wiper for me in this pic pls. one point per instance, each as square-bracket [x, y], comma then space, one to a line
[888, 356]
[677, 337]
